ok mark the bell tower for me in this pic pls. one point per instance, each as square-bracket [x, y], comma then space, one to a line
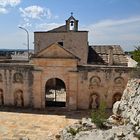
[72, 23]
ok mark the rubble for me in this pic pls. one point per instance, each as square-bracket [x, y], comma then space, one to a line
[125, 121]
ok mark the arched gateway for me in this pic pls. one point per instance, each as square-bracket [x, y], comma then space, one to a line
[55, 93]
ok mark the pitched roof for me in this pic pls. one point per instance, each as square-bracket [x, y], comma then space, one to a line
[71, 17]
[98, 54]
[59, 29]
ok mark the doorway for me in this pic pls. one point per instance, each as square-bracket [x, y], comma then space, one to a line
[55, 93]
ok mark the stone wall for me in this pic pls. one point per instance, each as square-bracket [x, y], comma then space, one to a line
[104, 84]
[16, 83]
[86, 87]
[75, 42]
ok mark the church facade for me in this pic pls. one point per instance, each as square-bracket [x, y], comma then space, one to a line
[65, 71]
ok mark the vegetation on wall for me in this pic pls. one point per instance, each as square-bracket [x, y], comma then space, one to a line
[99, 116]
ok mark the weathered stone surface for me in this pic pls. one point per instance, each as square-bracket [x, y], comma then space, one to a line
[129, 106]
[125, 121]
[115, 108]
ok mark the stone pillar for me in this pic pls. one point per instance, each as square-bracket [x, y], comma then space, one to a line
[38, 98]
[72, 105]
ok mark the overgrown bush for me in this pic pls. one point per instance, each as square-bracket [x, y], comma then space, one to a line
[99, 116]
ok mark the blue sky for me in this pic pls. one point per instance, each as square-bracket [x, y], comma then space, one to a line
[108, 21]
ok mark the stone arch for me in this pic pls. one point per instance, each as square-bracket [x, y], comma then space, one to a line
[1, 97]
[94, 101]
[119, 81]
[95, 81]
[18, 98]
[55, 93]
[18, 78]
[116, 97]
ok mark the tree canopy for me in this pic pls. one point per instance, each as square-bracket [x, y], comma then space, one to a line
[136, 54]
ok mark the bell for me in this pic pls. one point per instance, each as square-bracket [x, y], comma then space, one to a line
[72, 23]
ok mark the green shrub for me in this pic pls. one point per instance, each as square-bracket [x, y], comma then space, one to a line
[99, 116]
[73, 131]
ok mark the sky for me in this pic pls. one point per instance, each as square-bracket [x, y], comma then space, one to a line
[109, 22]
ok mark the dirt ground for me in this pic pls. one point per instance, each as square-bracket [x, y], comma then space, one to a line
[36, 124]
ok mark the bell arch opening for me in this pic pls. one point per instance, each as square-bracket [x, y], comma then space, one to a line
[55, 93]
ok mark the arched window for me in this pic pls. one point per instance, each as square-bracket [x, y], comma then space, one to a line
[18, 78]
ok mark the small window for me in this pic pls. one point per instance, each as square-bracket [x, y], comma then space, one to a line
[60, 43]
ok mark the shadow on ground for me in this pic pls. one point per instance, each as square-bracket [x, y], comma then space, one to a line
[78, 114]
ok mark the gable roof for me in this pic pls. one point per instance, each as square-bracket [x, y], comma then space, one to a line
[55, 51]
[59, 29]
[71, 17]
[98, 54]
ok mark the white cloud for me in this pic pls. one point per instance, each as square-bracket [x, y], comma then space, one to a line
[125, 32]
[47, 26]
[49, 13]
[35, 12]
[12, 3]
[3, 11]
[108, 23]
[5, 4]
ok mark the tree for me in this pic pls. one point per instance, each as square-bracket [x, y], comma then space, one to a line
[136, 54]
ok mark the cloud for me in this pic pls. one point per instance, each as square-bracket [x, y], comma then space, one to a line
[125, 32]
[47, 26]
[109, 23]
[12, 3]
[35, 12]
[5, 4]
[3, 11]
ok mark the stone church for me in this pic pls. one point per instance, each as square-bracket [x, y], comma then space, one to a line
[65, 71]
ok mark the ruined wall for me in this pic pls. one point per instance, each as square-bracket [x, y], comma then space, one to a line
[86, 87]
[75, 42]
[16, 83]
[99, 84]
